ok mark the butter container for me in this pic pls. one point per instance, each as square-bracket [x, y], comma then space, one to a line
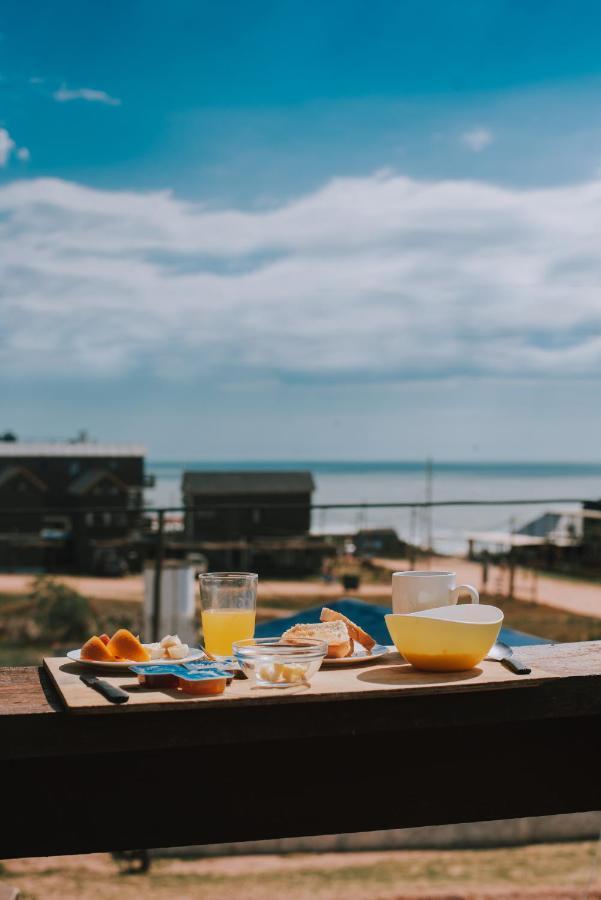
[208, 680]
[158, 676]
[207, 665]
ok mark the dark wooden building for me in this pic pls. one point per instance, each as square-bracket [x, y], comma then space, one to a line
[247, 505]
[72, 503]
[379, 542]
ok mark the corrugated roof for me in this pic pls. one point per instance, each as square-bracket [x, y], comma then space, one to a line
[87, 448]
[219, 483]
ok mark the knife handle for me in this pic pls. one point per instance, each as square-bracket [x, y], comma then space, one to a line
[515, 665]
[112, 693]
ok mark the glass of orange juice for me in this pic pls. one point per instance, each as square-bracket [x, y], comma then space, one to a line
[228, 602]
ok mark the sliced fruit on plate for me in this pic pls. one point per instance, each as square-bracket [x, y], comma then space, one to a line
[95, 649]
[178, 651]
[125, 644]
[170, 640]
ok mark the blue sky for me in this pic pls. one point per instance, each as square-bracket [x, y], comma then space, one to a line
[301, 229]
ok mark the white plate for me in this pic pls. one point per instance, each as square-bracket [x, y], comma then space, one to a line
[359, 656]
[75, 655]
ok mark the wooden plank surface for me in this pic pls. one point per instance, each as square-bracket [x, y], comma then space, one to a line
[388, 674]
[25, 691]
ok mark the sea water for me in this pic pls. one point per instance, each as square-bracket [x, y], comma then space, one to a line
[385, 482]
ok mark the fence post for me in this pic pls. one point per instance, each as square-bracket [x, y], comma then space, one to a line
[511, 587]
[158, 572]
[484, 588]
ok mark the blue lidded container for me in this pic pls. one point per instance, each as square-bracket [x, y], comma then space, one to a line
[193, 678]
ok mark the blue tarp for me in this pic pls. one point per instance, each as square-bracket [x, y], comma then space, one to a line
[371, 619]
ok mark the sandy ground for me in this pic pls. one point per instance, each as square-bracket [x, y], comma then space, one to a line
[131, 588]
[580, 597]
[566, 871]
[567, 594]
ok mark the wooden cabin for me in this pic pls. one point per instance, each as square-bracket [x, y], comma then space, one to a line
[246, 505]
[67, 501]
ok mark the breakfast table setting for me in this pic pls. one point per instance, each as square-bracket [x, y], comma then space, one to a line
[443, 723]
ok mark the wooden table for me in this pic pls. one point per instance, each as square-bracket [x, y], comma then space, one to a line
[357, 758]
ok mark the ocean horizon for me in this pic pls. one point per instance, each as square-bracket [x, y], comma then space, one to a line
[361, 482]
[523, 467]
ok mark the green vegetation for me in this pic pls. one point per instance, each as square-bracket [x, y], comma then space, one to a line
[53, 618]
[26, 654]
[61, 613]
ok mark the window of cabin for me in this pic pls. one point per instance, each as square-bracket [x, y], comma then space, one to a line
[107, 518]
[89, 519]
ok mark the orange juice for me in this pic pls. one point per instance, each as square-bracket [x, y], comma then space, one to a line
[223, 626]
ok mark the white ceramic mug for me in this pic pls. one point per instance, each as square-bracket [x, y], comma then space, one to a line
[416, 591]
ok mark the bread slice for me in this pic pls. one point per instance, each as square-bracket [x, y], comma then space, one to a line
[357, 634]
[336, 634]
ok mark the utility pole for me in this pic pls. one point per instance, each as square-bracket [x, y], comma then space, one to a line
[428, 510]
[158, 572]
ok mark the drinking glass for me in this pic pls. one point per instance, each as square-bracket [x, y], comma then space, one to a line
[228, 603]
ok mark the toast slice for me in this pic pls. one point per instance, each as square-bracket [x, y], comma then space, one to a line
[339, 641]
[356, 633]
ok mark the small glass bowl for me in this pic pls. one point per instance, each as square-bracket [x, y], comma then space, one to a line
[270, 663]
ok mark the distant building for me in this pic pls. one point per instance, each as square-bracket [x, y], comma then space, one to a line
[229, 506]
[591, 532]
[379, 542]
[68, 502]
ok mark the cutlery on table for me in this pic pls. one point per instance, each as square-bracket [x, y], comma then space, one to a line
[112, 693]
[503, 653]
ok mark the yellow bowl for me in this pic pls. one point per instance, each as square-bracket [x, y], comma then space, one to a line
[446, 639]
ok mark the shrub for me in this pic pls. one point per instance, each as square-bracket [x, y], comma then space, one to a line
[61, 613]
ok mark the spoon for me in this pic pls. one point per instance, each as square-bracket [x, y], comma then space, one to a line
[206, 652]
[503, 653]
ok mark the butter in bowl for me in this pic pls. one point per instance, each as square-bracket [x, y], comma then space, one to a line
[271, 663]
[448, 638]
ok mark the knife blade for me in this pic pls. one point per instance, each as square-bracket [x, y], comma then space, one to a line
[112, 693]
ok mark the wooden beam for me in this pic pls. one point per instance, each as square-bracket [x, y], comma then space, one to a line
[85, 783]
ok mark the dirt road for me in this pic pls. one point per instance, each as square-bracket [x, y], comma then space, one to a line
[569, 594]
[131, 589]
[536, 872]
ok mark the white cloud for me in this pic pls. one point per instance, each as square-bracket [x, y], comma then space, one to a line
[65, 94]
[7, 145]
[477, 139]
[373, 277]
[23, 154]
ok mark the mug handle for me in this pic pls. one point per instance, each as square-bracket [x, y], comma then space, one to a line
[475, 596]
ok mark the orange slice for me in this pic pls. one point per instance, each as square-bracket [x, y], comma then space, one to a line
[96, 650]
[123, 643]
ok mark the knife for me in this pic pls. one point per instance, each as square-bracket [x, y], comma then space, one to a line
[504, 654]
[112, 693]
